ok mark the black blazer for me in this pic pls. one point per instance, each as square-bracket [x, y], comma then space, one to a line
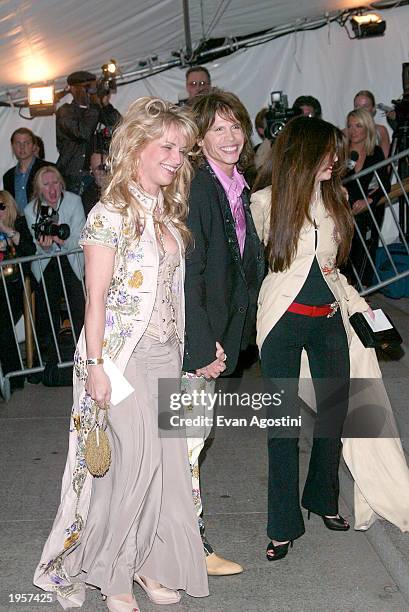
[8, 177]
[221, 287]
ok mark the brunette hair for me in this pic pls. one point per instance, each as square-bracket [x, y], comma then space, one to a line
[367, 120]
[298, 153]
[25, 131]
[11, 208]
[198, 69]
[37, 183]
[260, 120]
[148, 119]
[228, 106]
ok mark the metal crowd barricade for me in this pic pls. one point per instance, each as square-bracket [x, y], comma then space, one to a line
[397, 193]
[32, 344]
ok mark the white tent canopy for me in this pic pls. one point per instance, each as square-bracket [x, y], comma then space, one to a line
[47, 39]
[324, 63]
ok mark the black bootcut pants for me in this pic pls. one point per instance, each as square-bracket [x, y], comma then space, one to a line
[326, 344]
[55, 292]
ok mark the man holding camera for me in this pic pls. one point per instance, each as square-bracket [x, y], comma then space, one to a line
[76, 124]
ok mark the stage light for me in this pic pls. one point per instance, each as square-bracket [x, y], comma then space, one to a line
[368, 25]
[41, 100]
[110, 68]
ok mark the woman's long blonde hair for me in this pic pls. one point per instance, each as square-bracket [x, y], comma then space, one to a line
[38, 184]
[11, 208]
[147, 119]
[365, 117]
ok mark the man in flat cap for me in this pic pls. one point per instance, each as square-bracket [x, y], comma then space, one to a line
[75, 128]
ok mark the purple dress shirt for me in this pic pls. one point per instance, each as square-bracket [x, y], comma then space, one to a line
[233, 188]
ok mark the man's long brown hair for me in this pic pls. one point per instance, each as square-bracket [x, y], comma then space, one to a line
[298, 153]
[227, 105]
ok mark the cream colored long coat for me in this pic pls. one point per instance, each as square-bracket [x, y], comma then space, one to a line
[377, 465]
[129, 305]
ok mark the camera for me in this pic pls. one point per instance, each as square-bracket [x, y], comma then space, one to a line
[102, 139]
[46, 226]
[105, 86]
[278, 115]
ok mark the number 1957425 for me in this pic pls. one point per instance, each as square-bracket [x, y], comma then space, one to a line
[30, 597]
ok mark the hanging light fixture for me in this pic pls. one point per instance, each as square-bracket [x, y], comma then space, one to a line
[41, 100]
[366, 25]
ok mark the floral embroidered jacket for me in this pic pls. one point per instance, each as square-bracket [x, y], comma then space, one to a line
[279, 289]
[129, 305]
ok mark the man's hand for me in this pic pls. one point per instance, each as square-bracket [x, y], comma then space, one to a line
[214, 369]
[58, 240]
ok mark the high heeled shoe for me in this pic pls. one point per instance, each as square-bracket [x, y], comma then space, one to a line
[335, 523]
[119, 605]
[159, 595]
[279, 550]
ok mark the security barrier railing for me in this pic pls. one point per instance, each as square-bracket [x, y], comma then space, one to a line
[395, 200]
[32, 359]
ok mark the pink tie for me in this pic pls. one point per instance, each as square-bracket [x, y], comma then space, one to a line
[239, 217]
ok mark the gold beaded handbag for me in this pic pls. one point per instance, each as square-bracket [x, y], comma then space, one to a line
[97, 446]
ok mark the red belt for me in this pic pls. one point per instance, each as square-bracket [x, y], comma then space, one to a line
[313, 311]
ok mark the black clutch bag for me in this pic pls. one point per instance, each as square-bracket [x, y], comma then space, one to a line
[372, 339]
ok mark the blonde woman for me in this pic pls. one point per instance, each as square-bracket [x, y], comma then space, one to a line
[361, 133]
[15, 241]
[61, 208]
[137, 522]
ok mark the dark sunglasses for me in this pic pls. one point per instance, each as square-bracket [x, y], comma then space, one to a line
[2, 206]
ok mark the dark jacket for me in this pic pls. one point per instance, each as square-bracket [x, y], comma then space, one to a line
[75, 127]
[8, 178]
[353, 189]
[221, 287]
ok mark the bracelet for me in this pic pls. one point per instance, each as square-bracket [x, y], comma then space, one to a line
[94, 361]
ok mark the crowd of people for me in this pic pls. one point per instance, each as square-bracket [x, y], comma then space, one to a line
[184, 262]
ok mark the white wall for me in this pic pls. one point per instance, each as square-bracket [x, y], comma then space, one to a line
[323, 63]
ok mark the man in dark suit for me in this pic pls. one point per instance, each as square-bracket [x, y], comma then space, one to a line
[19, 179]
[225, 268]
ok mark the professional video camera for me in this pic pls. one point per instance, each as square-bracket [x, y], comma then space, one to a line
[102, 139]
[401, 105]
[46, 226]
[106, 84]
[278, 115]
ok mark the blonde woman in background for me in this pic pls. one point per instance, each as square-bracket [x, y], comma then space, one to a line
[15, 241]
[361, 134]
[137, 522]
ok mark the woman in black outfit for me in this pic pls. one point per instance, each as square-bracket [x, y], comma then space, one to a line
[361, 132]
[15, 241]
[304, 306]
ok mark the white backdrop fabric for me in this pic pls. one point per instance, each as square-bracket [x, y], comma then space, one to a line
[323, 63]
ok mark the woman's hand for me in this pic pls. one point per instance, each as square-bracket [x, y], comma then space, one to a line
[45, 242]
[370, 312]
[98, 385]
[360, 205]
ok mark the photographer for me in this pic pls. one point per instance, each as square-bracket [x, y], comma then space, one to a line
[55, 218]
[92, 193]
[76, 124]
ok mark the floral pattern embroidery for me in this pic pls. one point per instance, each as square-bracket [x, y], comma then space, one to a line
[329, 267]
[98, 230]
